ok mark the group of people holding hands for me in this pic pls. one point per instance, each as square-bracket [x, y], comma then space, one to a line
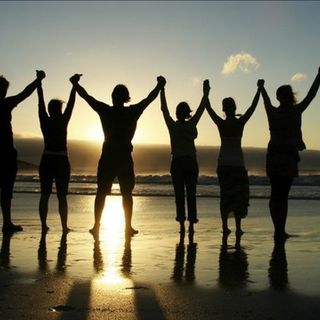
[119, 124]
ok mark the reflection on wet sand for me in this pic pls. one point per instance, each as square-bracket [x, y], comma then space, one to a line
[127, 258]
[233, 265]
[179, 265]
[5, 251]
[278, 267]
[42, 254]
[98, 259]
[43, 265]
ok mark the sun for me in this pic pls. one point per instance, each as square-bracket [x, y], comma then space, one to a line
[95, 133]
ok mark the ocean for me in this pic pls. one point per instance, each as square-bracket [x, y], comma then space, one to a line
[152, 166]
[304, 187]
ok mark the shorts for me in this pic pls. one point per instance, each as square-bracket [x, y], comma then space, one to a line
[8, 173]
[54, 168]
[112, 165]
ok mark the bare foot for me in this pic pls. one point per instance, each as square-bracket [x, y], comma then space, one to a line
[239, 233]
[282, 236]
[11, 228]
[94, 231]
[131, 232]
[66, 230]
[226, 231]
[45, 229]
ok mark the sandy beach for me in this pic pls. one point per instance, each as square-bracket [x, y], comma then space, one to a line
[156, 274]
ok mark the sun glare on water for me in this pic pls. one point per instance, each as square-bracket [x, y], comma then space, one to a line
[112, 244]
[112, 221]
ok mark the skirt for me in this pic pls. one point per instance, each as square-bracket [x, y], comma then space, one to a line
[234, 190]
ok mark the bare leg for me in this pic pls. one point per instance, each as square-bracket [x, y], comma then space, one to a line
[278, 204]
[6, 211]
[98, 208]
[8, 226]
[239, 231]
[43, 211]
[127, 203]
[224, 219]
[182, 228]
[191, 227]
[63, 211]
[279, 212]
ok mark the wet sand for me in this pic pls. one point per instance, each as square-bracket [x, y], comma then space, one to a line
[156, 274]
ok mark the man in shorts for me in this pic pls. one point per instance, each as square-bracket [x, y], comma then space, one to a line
[8, 153]
[119, 124]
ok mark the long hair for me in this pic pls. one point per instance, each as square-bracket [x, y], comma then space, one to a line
[286, 96]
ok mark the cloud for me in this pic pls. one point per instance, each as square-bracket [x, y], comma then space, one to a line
[243, 61]
[298, 77]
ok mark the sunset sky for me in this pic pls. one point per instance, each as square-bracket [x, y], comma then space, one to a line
[232, 44]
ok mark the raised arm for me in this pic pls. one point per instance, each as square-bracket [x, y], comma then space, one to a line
[267, 103]
[213, 115]
[311, 94]
[204, 101]
[143, 104]
[93, 103]
[164, 107]
[27, 91]
[253, 106]
[41, 104]
[69, 108]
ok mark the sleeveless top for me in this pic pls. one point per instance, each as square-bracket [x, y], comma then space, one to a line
[230, 153]
[182, 136]
[285, 128]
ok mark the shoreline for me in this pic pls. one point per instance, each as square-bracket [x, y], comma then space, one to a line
[157, 274]
[165, 195]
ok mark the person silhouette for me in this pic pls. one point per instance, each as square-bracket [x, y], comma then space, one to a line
[119, 124]
[231, 171]
[184, 166]
[54, 165]
[283, 148]
[8, 158]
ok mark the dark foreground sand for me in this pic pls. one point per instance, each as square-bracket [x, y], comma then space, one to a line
[157, 275]
[60, 298]
[111, 286]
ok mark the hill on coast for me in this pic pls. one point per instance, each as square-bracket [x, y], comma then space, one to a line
[151, 159]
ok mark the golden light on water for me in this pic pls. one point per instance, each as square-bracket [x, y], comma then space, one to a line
[111, 244]
[112, 221]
